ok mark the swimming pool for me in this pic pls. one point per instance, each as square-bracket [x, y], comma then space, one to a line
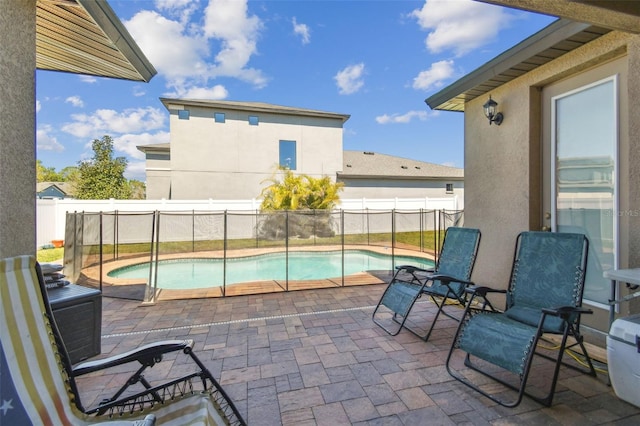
[303, 265]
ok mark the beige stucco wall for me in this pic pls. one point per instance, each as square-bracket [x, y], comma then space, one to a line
[402, 188]
[503, 164]
[230, 160]
[17, 128]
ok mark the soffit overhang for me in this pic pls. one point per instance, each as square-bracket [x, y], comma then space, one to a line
[621, 15]
[86, 37]
[557, 39]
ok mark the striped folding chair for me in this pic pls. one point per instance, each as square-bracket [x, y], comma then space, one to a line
[37, 381]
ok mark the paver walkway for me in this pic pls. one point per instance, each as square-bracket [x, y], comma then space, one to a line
[314, 357]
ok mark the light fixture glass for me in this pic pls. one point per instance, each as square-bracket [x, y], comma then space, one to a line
[490, 112]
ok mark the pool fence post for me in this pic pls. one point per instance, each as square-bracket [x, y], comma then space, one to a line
[342, 233]
[286, 248]
[101, 251]
[224, 255]
[368, 233]
[393, 238]
[193, 230]
[421, 229]
[150, 297]
[115, 236]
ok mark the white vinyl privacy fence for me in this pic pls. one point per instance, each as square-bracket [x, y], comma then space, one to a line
[51, 214]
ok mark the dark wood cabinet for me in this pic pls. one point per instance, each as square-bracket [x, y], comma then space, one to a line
[78, 313]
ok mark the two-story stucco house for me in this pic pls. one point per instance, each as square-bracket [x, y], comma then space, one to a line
[227, 150]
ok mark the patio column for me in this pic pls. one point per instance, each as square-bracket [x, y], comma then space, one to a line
[17, 127]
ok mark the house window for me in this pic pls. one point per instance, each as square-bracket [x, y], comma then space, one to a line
[253, 120]
[183, 114]
[219, 117]
[449, 188]
[288, 155]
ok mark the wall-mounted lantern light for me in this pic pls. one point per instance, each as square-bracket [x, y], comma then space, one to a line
[490, 112]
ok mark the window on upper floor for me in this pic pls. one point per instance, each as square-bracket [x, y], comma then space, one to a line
[449, 188]
[253, 120]
[218, 117]
[288, 155]
[183, 114]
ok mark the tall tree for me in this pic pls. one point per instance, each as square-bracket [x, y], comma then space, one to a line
[47, 174]
[102, 177]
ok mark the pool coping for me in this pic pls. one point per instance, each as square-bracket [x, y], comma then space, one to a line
[91, 274]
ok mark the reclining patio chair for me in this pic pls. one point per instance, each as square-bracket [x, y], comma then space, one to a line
[38, 383]
[544, 296]
[445, 283]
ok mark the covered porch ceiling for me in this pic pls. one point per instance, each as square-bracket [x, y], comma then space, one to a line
[86, 37]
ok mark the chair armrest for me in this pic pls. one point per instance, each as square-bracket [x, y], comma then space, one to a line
[147, 354]
[411, 268]
[449, 279]
[483, 291]
[565, 311]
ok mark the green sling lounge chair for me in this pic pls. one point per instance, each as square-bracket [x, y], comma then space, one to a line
[544, 296]
[446, 282]
[38, 385]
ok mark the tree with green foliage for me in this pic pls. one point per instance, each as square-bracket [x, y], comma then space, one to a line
[47, 174]
[138, 189]
[300, 192]
[313, 198]
[102, 177]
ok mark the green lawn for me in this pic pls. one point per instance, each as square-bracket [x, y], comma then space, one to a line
[50, 255]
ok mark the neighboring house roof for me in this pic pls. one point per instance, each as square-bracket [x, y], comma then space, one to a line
[155, 148]
[371, 165]
[65, 188]
[553, 41]
[86, 37]
[253, 107]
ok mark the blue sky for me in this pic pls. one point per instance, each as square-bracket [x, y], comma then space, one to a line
[374, 60]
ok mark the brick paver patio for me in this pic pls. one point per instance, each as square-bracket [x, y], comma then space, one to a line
[314, 357]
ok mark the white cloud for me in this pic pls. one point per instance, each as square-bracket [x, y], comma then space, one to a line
[434, 76]
[38, 106]
[460, 25]
[128, 143]
[172, 52]
[350, 79]
[138, 91]
[107, 121]
[75, 101]
[88, 79]
[136, 170]
[45, 141]
[181, 50]
[302, 30]
[216, 92]
[404, 118]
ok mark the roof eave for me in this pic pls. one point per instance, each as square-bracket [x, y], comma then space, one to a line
[106, 18]
[400, 177]
[86, 37]
[544, 39]
[273, 109]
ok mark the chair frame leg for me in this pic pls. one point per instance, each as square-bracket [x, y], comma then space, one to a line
[394, 318]
[414, 281]
[546, 400]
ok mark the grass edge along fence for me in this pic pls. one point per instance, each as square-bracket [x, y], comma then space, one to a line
[92, 239]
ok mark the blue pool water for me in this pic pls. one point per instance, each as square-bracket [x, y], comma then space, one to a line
[199, 273]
